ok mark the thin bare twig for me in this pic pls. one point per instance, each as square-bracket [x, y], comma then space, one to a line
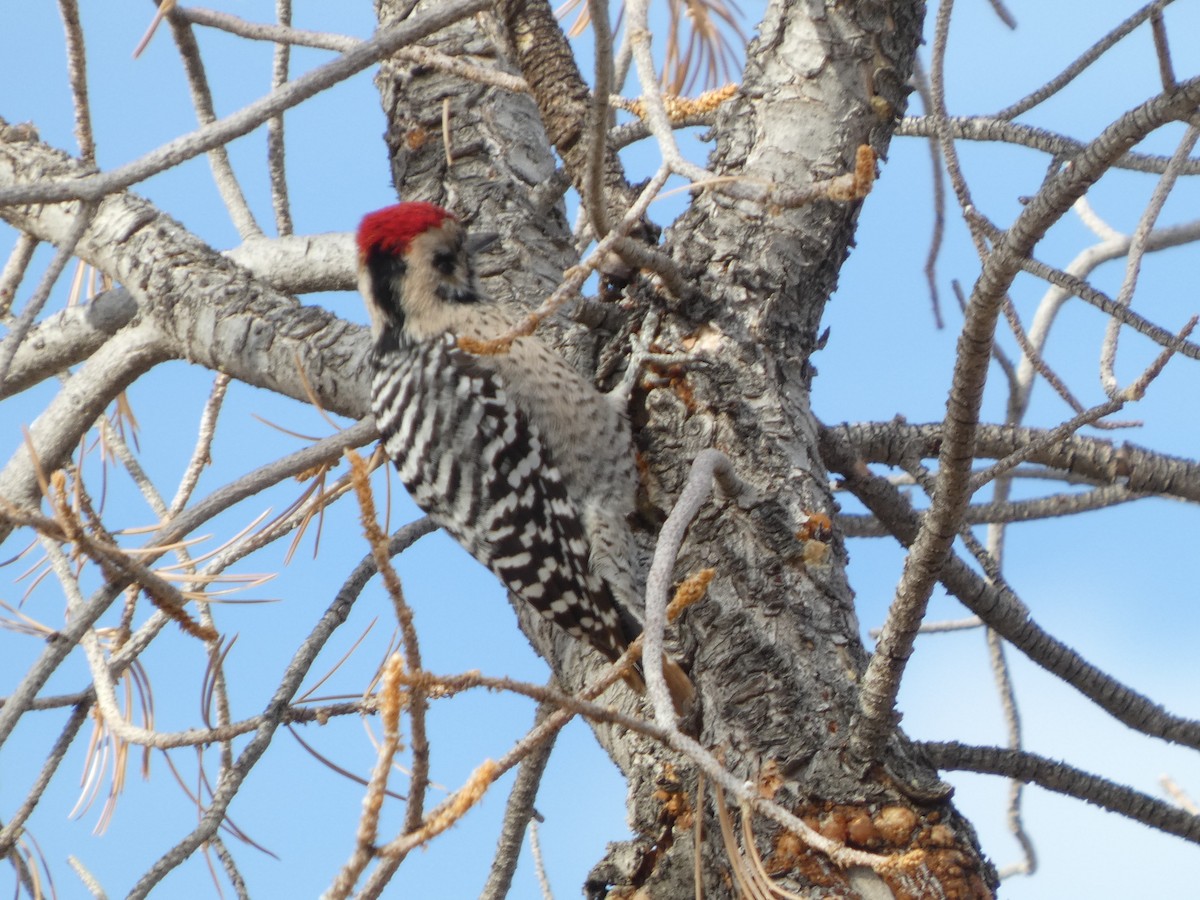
[1012, 722]
[939, 115]
[221, 132]
[77, 76]
[637, 34]
[598, 116]
[276, 148]
[1007, 512]
[417, 702]
[1137, 246]
[575, 276]
[285, 35]
[988, 129]
[14, 271]
[539, 864]
[201, 453]
[229, 864]
[15, 825]
[391, 704]
[218, 157]
[1066, 285]
[1054, 436]
[9, 346]
[1003, 14]
[518, 814]
[1178, 795]
[1089, 56]
[1162, 48]
[707, 466]
[89, 880]
[273, 716]
[946, 626]
[921, 82]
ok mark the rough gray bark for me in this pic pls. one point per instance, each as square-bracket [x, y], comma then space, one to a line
[244, 327]
[774, 648]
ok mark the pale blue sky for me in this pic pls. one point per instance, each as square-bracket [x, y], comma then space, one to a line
[1118, 585]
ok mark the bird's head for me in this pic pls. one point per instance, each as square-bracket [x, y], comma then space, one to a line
[414, 269]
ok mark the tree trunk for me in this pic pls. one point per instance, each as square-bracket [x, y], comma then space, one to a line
[774, 648]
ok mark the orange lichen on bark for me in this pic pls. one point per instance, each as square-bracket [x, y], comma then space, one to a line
[691, 590]
[864, 177]
[677, 809]
[679, 108]
[925, 852]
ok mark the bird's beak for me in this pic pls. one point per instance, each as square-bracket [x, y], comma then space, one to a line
[477, 243]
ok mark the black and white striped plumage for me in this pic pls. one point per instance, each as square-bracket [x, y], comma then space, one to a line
[525, 463]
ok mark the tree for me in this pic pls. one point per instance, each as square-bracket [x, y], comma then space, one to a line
[792, 775]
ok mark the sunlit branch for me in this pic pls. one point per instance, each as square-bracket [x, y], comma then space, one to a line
[518, 814]
[224, 130]
[20, 329]
[1137, 248]
[637, 34]
[14, 827]
[202, 452]
[1089, 56]
[77, 77]
[985, 129]
[218, 157]
[276, 147]
[1064, 779]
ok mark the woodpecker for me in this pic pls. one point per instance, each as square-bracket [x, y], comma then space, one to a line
[524, 462]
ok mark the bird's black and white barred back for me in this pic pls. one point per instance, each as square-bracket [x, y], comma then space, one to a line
[473, 461]
[522, 460]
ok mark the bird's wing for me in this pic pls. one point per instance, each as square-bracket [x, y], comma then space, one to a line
[472, 459]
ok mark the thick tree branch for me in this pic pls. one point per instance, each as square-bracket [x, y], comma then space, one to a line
[67, 338]
[1100, 461]
[991, 130]
[1053, 506]
[1053, 775]
[218, 157]
[563, 99]
[518, 814]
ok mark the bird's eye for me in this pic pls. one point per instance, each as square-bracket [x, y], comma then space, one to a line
[443, 261]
